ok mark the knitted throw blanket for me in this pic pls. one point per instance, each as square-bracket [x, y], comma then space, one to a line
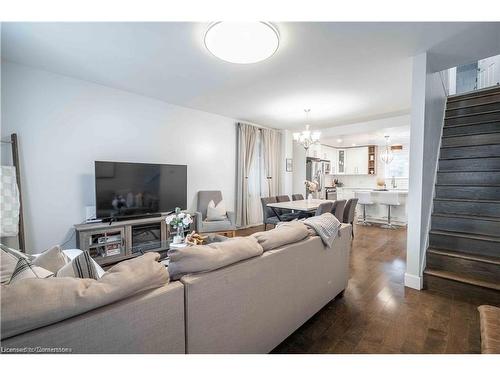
[326, 226]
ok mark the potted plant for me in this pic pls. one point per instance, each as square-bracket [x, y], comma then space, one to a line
[311, 187]
[179, 221]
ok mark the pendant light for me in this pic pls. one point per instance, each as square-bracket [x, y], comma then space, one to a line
[306, 138]
[387, 156]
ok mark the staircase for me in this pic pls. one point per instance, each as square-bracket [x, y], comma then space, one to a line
[463, 257]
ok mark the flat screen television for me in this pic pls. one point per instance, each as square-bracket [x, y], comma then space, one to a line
[133, 189]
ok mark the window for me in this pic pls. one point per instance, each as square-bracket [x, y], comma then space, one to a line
[399, 166]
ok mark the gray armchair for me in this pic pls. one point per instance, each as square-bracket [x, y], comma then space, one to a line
[220, 226]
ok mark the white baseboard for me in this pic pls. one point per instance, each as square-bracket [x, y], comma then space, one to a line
[414, 282]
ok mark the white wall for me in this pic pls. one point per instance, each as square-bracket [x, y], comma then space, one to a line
[428, 104]
[287, 153]
[65, 124]
[299, 169]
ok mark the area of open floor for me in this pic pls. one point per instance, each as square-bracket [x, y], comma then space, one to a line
[378, 314]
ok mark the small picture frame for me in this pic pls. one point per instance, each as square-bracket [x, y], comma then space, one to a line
[289, 165]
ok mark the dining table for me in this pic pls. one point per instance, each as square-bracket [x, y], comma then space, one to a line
[303, 205]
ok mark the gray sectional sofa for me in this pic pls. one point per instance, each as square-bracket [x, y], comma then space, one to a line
[247, 307]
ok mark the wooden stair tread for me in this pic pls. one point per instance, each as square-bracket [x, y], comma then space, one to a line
[462, 279]
[465, 235]
[472, 114]
[471, 123]
[471, 157]
[468, 200]
[467, 171]
[493, 143]
[462, 216]
[461, 255]
[475, 105]
[470, 134]
[466, 185]
[488, 91]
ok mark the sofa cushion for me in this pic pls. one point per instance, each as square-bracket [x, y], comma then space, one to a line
[216, 212]
[52, 259]
[81, 266]
[34, 303]
[285, 233]
[25, 270]
[209, 257]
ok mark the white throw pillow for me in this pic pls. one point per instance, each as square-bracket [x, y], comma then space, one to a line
[25, 270]
[52, 259]
[16, 253]
[73, 253]
[81, 266]
[216, 213]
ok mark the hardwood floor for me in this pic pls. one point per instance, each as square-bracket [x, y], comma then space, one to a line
[377, 314]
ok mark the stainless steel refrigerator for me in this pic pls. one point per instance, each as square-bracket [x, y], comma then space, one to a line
[315, 171]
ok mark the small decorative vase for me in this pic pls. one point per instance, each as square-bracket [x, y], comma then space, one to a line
[310, 197]
[179, 237]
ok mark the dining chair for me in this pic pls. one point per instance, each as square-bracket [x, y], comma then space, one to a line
[349, 211]
[268, 214]
[338, 209]
[323, 208]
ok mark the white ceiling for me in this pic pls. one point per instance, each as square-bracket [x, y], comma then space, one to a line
[369, 132]
[343, 72]
[398, 135]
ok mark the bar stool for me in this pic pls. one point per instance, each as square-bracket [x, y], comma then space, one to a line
[390, 199]
[364, 198]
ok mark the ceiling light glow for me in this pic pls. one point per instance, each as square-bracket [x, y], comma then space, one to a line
[242, 42]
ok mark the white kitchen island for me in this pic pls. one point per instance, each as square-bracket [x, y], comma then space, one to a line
[377, 213]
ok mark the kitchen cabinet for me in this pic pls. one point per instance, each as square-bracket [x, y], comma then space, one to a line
[329, 153]
[333, 160]
[341, 161]
[314, 151]
[356, 160]
[350, 161]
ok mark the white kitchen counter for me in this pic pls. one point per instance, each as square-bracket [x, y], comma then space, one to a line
[377, 212]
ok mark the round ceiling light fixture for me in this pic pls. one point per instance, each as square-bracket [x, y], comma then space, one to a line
[242, 42]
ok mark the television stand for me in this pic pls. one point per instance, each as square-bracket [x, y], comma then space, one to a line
[129, 217]
[114, 241]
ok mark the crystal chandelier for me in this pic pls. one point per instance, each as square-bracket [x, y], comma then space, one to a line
[306, 138]
[387, 156]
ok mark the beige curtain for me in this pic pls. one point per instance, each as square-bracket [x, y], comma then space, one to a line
[247, 137]
[271, 153]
